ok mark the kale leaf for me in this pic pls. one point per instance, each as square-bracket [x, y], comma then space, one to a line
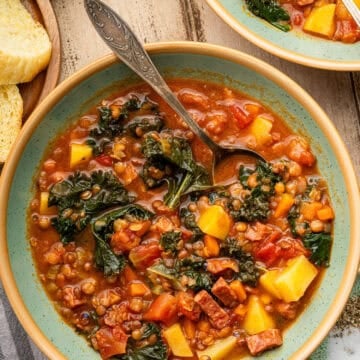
[256, 204]
[156, 351]
[189, 221]
[107, 126]
[81, 196]
[102, 229]
[169, 241]
[106, 260]
[320, 245]
[271, 11]
[141, 125]
[248, 272]
[166, 148]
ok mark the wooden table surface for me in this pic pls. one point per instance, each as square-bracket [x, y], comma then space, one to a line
[338, 93]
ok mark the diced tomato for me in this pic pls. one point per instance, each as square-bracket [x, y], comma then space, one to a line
[243, 120]
[144, 255]
[125, 240]
[268, 253]
[104, 160]
[111, 341]
[163, 308]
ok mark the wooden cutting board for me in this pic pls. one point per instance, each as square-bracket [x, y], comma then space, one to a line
[36, 90]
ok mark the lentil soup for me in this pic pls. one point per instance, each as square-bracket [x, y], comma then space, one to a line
[142, 255]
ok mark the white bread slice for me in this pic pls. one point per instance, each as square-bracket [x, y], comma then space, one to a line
[11, 108]
[25, 48]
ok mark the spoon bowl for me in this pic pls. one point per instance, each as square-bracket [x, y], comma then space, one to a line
[121, 39]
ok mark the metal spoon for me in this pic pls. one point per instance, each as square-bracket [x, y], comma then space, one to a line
[120, 38]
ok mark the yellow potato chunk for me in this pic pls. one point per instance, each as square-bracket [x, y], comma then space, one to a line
[257, 319]
[267, 281]
[44, 209]
[293, 281]
[177, 341]
[220, 349]
[260, 128]
[79, 154]
[321, 21]
[215, 221]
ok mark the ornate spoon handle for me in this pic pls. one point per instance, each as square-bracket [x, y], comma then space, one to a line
[120, 38]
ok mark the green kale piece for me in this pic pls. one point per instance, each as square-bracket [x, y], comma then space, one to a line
[256, 205]
[169, 241]
[189, 221]
[187, 174]
[75, 209]
[141, 125]
[320, 245]
[106, 260]
[135, 350]
[271, 11]
[154, 172]
[102, 229]
[107, 126]
[248, 272]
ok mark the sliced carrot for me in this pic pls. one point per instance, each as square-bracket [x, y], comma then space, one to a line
[284, 205]
[308, 210]
[138, 289]
[163, 308]
[325, 213]
[253, 109]
[212, 247]
[239, 290]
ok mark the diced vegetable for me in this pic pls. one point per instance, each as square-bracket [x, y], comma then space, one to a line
[138, 289]
[177, 341]
[325, 213]
[144, 256]
[293, 281]
[267, 281]
[80, 154]
[215, 221]
[239, 290]
[309, 209]
[321, 21]
[212, 247]
[189, 328]
[284, 205]
[220, 349]
[261, 128]
[257, 319]
[44, 209]
[163, 308]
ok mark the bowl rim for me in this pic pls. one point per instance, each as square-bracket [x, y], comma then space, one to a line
[281, 52]
[268, 71]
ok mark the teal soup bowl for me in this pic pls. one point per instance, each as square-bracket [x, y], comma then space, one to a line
[295, 45]
[78, 94]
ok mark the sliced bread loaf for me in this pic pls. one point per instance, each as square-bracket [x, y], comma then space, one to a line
[25, 48]
[11, 108]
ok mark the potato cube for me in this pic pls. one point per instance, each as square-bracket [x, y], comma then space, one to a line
[267, 281]
[257, 319]
[220, 349]
[79, 154]
[177, 341]
[261, 128]
[293, 281]
[44, 208]
[321, 21]
[215, 221]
